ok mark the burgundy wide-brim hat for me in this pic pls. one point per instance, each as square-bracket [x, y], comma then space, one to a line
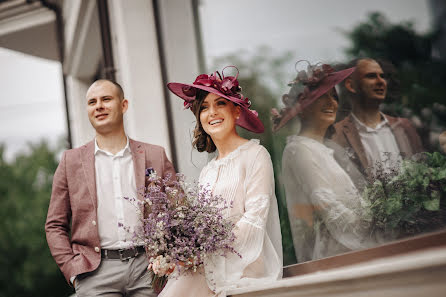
[311, 94]
[225, 87]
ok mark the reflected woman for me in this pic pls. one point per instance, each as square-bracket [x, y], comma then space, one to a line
[327, 214]
[242, 174]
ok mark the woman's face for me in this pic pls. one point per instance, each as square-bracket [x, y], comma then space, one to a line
[218, 116]
[322, 112]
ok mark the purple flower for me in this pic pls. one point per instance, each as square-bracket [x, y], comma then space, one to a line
[184, 223]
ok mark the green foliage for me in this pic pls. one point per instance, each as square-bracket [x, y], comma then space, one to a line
[420, 77]
[28, 268]
[411, 199]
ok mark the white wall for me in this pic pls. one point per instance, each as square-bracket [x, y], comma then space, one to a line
[83, 54]
[182, 65]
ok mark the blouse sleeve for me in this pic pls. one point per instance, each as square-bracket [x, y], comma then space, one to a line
[250, 229]
[332, 195]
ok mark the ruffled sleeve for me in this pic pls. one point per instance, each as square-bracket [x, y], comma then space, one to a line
[259, 256]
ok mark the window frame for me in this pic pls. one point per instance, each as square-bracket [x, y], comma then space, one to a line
[399, 247]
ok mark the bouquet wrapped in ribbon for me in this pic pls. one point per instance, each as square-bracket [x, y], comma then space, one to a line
[183, 223]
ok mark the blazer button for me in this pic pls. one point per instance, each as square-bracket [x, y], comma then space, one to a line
[96, 249]
[94, 223]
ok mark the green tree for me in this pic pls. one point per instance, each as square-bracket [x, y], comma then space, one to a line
[28, 268]
[419, 76]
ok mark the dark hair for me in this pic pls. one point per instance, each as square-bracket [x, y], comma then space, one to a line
[118, 86]
[202, 141]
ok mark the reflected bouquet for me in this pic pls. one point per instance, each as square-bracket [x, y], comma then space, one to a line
[410, 198]
[182, 224]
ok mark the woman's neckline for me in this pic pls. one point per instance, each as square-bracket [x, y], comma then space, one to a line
[235, 152]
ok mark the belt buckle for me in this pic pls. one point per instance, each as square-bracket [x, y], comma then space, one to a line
[121, 257]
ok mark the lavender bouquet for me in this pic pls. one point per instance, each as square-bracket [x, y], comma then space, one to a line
[183, 223]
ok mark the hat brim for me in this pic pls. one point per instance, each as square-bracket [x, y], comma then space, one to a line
[327, 84]
[247, 120]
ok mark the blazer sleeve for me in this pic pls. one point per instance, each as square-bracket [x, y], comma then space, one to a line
[57, 226]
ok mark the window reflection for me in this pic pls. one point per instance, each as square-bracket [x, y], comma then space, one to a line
[377, 173]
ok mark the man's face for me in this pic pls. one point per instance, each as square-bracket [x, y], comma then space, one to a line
[370, 83]
[105, 108]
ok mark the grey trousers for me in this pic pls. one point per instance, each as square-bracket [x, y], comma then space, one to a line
[116, 278]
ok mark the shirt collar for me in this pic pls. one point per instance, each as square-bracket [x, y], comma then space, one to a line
[362, 127]
[118, 154]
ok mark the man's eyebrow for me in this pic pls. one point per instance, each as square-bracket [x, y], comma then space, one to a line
[102, 97]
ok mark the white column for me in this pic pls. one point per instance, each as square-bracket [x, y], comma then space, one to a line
[81, 129]
[83, 53]
[137, 63]
[182, 65]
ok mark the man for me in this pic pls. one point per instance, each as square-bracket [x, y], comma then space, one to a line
[87, 208]
[372, 139]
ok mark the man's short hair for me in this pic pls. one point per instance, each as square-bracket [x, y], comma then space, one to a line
[118, 86]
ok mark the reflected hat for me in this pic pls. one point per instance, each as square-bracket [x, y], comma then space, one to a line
[224, 86]
[307, 88]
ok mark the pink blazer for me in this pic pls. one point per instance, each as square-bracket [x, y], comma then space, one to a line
[71, 229]
[406, 137]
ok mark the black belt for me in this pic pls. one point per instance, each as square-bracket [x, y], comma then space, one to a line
[122, 254]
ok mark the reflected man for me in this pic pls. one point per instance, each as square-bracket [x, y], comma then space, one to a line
[373, 139]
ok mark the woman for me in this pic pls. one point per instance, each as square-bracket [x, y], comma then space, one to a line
[241, 173]
[327, 214]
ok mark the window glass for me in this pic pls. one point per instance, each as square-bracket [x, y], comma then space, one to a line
[359, 156]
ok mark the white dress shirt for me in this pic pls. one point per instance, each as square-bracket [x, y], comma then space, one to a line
[115, 179]
[379, 144]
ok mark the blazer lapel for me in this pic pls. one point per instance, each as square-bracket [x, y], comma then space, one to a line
[352, 135]
[139, 164]
[87, 156]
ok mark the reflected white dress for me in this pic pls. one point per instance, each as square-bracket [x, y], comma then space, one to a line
[327, 214]
[245, 177]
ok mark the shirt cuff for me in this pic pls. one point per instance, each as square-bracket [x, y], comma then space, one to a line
[72, 279]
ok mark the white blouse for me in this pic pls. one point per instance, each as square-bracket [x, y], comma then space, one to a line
[245, 177]
[327, 214]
